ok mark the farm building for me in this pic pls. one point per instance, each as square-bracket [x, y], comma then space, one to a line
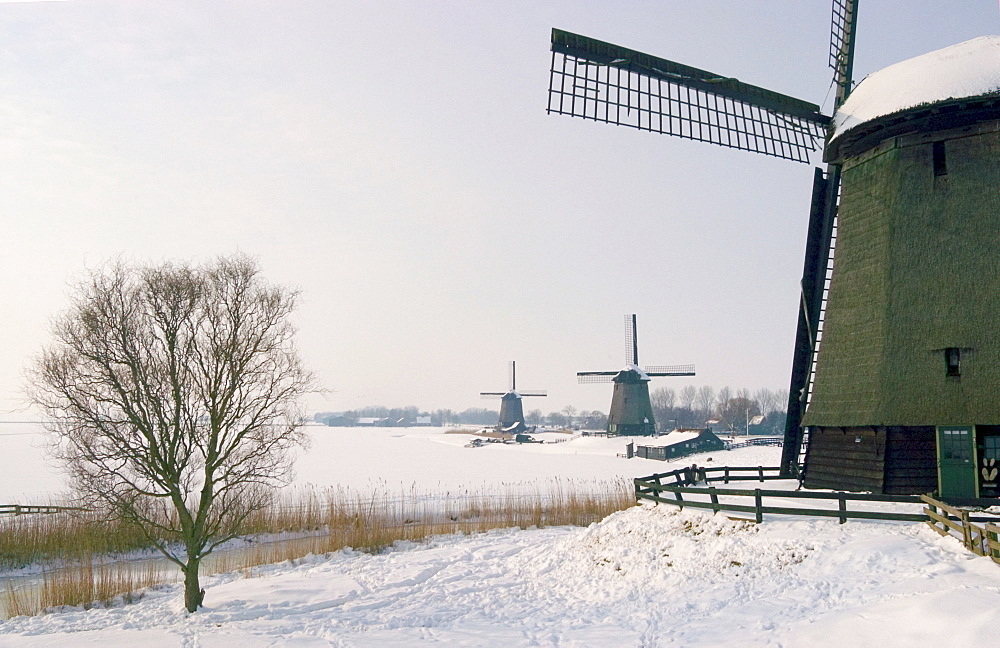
[679, 443]
[906, 395]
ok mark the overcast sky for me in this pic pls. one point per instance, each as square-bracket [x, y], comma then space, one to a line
[394, 161]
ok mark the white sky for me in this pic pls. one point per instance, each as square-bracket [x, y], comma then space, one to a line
[394, 161]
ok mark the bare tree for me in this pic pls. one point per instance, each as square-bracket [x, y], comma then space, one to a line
[768, 400]
[664, 398]
[722, 398]
[172, 392]
[737, 412]
[705, 401]
[570, 413]
[663, 401]
[688, 395]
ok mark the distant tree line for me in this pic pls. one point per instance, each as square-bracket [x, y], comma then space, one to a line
[693, 406]
[690, 406]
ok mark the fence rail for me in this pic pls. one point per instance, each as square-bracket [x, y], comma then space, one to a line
[653, 489]
[958, 523]
[21, 509]
[759, 441]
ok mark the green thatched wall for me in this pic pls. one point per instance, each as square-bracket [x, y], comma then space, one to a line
[916, 270]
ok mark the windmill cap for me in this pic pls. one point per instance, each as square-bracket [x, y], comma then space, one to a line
[955, 76]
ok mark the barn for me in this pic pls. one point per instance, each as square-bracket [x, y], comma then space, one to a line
[906, 393]
[679, 443]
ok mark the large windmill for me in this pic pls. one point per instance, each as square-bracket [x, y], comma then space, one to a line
[631, 412]
[511, 410]
[902, 394]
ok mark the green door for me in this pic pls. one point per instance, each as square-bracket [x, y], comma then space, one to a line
[956, 464]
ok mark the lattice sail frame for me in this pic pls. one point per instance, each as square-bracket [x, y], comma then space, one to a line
[604, 82]
[669, 370]
[842, 26]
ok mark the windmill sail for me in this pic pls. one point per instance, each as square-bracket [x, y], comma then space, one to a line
[673, 370]
[604, 82]
[820, 244]
[631, 342]
[586, 377]
[844, 22]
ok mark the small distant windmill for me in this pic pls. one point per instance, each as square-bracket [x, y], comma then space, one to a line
[511, 411]
[631, 412]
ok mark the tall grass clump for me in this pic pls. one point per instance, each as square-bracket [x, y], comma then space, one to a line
[298, 522]
[339, 518]
[86, 585]
[69, 536]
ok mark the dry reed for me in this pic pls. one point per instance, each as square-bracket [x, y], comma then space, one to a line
[322, 521]
[83, 585]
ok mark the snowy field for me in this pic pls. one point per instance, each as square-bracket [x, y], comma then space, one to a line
[649, 576]
[425, 459]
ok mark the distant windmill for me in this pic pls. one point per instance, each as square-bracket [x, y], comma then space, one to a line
[511, 411]
[631, 412]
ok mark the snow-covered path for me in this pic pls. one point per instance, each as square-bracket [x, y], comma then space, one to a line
[650, 576]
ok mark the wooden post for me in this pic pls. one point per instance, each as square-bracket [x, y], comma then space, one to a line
[757, 505]
[966, 531]
[680, 500]
[991, 542]
[760, 472]
[843, 509]
[725, 479]
[715, 499]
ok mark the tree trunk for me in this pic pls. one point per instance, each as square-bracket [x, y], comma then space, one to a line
[193, 594]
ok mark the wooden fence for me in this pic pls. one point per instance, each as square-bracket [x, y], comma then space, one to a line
[653, 489]
[751, 441]
[20, 509]
[958, 523]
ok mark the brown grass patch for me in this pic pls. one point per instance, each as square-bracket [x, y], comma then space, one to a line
[325, 520]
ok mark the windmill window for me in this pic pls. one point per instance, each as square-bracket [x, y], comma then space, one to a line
[953, 361]
[940, 164]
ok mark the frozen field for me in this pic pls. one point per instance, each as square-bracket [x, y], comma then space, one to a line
[427, 459]
[649, 576]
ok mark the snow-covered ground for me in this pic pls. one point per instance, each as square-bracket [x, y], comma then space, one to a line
[649, 576]
[425, 459]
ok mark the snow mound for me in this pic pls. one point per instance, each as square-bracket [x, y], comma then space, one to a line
[969, 69]
[664, 548]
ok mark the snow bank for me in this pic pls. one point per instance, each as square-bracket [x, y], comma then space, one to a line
[969, 69]
[649, 576]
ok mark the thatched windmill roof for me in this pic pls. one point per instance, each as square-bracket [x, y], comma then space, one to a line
[956, 82]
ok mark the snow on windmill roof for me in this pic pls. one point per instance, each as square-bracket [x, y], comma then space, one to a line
[969, 69]
[639, 370]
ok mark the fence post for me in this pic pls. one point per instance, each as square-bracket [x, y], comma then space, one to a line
[680, 500]
[760, 472]
[843, 509]
[966, 531]
[725, 479]
[759, 513]
[991, 540]
[715, 499]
